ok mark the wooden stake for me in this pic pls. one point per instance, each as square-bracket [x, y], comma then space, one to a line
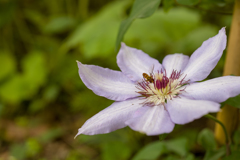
[229, 115]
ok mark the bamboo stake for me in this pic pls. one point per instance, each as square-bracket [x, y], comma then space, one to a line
[229, 115]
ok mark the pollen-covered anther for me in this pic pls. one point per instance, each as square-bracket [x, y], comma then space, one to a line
[161, 88]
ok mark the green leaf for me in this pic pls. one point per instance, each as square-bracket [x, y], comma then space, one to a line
[34, 67]
[234, 156]
[8, 63]
[60, 24]
[206, 139]
[171, 157]
[33, 147]
[215, 155]
[191, 135]
[25, 85]
[157, 34]
[178, 145]
[167, 5]
[96, 37]
[234, 101]
[229, 1]
[140, 9]
[211, 4]
[51, 92]
[7, 9]
[1, 109]
[175, 157]
[236, 137]
[190, 156]
[188, 2]
[162, 136]
[51, 135]
[11, 91]
[18, 151]
[115, 150]
[36, 105]
[195, 38]
[151, 151]
[36, 18]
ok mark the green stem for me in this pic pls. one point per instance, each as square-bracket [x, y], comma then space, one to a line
[225, 131]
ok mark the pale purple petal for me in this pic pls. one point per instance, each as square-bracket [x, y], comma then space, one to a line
[133, 62]
[153, 120]
[104, 82]
[175, 62]
[182, 110]
[205, 58]
[111, 118]
[217, 89]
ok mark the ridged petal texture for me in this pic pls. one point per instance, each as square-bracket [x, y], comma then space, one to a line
[206, 57]
[133, 62]
[104, 82]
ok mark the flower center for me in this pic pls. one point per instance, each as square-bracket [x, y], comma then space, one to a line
[158, 88]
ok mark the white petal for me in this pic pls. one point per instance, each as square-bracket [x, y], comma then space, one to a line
[206, 57]
[182, 110]
[111, 118]
[175, 62]
[217, 90]
[104, 82]
[133, 62]
[151, 120]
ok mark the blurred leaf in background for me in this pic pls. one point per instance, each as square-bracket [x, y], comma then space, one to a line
[8, 63]
[24, 85]
[96, 38]
[140, 9]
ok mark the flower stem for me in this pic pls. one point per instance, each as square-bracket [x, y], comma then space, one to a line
[228, 150]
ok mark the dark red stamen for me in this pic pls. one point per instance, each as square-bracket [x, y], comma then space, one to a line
[158, 84]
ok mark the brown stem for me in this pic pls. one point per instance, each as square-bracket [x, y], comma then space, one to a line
[229, 115]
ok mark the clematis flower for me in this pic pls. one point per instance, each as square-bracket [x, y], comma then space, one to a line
[152, 97]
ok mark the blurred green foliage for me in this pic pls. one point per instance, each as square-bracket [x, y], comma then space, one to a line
[234, 101]
[140, 9]
[42, 100]
[206, 139]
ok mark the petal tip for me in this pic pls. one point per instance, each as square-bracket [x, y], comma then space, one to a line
[79, 132]
[76, 136]
[222, 30]
[123, 44]
[79, 64]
